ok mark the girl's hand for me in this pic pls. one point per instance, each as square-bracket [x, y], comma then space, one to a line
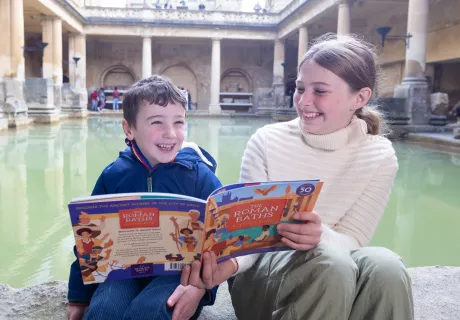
[185, 301]
[213, 274]
[304, 236]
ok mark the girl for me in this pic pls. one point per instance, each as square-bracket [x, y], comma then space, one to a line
[337, 137]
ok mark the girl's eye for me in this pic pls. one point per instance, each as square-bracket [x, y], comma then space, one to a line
[156, 122]
[320, 92]
[180, 122]
[300, 90]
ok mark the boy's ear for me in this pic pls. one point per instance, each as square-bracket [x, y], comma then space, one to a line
[127, 129]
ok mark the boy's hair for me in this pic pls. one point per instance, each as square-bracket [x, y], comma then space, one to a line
[153, 90]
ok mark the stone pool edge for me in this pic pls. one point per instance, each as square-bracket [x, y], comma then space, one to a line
[436, 293]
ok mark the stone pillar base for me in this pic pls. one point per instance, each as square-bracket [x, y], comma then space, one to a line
[278, 95]
[46, 118]
[3, 124]
[12, 101]
[19, 122]
[215, 109]
[417, 95]
[74, 102]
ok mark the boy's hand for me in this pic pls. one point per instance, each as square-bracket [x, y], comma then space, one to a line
[213, 274]
[75, 312]
[185, 301]
[304, 236]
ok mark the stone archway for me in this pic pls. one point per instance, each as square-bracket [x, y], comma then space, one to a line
[182, 76]
[235, 80]
[117, 76]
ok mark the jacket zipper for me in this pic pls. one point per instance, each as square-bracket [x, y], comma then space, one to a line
[149, 182]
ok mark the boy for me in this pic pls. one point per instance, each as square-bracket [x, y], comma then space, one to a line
[155, 161]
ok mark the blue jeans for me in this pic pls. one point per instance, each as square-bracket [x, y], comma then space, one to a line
[115, 103]
[137, 299]
[94, 105]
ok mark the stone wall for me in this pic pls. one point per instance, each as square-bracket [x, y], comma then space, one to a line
[187, 64]
[103, 55]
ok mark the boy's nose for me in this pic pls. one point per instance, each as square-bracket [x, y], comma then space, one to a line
[169, 133]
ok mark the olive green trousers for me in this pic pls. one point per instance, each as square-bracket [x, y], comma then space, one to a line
[325, 283]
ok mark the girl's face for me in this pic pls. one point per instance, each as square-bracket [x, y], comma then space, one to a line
[325, 102]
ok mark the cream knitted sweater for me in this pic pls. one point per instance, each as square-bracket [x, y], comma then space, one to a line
[357, 168]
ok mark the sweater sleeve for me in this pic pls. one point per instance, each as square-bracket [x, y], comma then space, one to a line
[253, 169]
[357, 226]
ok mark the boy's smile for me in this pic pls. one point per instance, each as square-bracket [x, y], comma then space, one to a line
[159, 131]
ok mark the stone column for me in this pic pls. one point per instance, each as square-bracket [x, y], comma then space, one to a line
[146, 57]
[57, 52]
[214, 106]
[5, 34]
[303, 43]
[75, 96]
[414, 87]
[5, 56]
[278, 74]
[80, 68]
[72, 66]
[417, 26]
[17, 39]
[13, 108]
[343, 24]
[47, 36]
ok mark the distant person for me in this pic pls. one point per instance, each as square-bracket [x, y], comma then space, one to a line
[94, 100]
[257, 7]
[116, 97]
[201, 6]
[101, 95]
[456, 111]
[179, 168]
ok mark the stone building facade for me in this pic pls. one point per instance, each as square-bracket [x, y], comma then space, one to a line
[228, 59]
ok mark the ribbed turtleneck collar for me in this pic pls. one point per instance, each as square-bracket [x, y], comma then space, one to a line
[354, 132]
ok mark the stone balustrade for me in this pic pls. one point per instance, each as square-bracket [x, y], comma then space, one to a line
[290, 8]
[181, 17]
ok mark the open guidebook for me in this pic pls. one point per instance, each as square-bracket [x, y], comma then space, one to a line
[124, 236]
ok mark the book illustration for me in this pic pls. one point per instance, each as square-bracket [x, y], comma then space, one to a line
[136, 235]
[245, 219]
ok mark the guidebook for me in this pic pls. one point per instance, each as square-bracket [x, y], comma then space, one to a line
[125, 236]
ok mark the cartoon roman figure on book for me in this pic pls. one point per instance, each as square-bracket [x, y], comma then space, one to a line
[89, 261]
[88, 240]
[196, 224]
[210, 240]
[265, 233]
[185, 242]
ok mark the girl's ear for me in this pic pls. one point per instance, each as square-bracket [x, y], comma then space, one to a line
[127, 129]
[363, 97]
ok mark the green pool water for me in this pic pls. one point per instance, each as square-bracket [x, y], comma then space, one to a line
[43, 167]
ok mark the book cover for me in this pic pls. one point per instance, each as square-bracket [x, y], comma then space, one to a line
[125, 236]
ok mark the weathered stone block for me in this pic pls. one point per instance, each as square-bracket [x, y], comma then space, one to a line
[439, 103]
[74, 101]
[457, 133]
[14, 105]
[39, 95]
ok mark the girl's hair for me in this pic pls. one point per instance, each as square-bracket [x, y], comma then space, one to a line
[353, 60]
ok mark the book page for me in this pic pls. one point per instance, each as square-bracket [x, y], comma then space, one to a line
[129, 238]
[243, 220]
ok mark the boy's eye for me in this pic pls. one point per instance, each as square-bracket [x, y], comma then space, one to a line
[156, 122]
[180, 122]
[300, 90]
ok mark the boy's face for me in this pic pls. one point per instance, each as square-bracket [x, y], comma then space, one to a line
[159, 131]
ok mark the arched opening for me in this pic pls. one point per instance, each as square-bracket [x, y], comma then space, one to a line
[117, 76]
[235, 80]
[182, 76]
